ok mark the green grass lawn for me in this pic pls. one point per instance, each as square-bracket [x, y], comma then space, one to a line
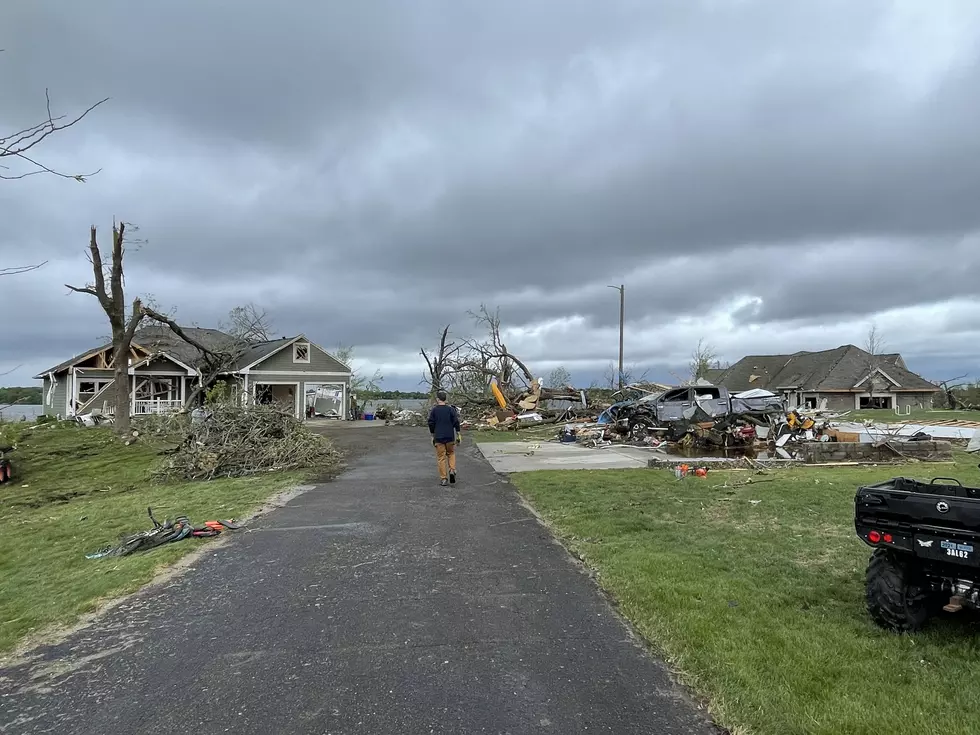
[890, 417]
[754, 593]
[76, 490]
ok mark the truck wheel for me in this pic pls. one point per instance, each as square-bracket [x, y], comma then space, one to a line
[897, 597]
[639, 428]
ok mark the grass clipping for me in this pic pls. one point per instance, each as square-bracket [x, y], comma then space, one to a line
[231, 441]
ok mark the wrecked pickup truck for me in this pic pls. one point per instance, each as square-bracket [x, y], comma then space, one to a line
[678, 407]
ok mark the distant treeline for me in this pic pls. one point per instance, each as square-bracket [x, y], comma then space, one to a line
[21, 396]
[393, 395]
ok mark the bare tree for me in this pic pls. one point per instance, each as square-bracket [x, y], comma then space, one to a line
[703, 359]
[108, 287]
[438, 363]
[874, 346]
[631, 374]
[953, 401]
[19, 147]
[250, 323]
[14, 270]
[112, 299]
[487, 357]
[559, 378]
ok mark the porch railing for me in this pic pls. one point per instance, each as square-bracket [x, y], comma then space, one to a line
[156, 405]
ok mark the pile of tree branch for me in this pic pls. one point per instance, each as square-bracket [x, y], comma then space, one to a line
[231, 441]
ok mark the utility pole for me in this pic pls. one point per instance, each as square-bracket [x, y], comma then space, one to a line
[622, 320]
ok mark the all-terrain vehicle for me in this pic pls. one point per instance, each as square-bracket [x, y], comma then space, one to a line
[926, 541]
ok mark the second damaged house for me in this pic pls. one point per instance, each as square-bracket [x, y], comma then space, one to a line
[842, 379]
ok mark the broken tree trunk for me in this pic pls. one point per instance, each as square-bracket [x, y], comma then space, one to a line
[113, 303]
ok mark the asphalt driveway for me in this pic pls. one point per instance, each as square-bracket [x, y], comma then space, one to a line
[375, 603]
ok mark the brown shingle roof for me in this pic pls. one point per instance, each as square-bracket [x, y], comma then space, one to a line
[827, 370]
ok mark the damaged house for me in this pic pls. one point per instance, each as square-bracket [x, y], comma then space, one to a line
[842, 379]
[165, 369]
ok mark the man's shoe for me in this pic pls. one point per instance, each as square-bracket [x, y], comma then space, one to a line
[452, 477]
[443, 482]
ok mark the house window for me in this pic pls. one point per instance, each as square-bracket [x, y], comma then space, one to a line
[810, 402]
[88, 388]
[876, 402]
[301, 352]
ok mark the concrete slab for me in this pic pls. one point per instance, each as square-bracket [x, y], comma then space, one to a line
[526, 456]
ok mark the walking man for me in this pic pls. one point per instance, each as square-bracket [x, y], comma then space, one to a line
[444, 427]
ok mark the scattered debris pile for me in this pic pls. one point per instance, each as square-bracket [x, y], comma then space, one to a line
[700, 421]
[232, 441]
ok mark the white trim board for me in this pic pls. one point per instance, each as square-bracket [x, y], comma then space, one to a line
[298, 373]
[882, 372]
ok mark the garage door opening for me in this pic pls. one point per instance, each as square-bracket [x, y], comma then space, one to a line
[282, 395]
[324, 400]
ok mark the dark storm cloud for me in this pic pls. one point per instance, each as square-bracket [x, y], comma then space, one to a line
[371, 171]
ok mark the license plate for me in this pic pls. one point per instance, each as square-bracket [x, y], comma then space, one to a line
[946, 549]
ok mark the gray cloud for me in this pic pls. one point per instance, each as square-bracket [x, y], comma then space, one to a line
[371, 171]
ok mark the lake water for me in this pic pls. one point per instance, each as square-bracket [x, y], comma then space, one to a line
[16, 413]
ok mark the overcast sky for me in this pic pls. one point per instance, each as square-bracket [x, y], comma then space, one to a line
[769, 176]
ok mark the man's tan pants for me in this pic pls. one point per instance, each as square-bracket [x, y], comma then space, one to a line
[446, 454]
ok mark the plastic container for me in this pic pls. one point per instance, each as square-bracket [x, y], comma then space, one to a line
[369, 417]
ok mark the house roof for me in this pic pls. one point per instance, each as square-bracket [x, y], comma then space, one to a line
[839, 369]
[68, 363]
[160, 339]
[713, 375]
[261, 350]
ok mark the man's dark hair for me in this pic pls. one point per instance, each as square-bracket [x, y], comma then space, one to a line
[441, 395]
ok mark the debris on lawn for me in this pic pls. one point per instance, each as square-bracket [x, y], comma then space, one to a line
[702, 422]
[234, 441]
[698, 420]
[163, 533]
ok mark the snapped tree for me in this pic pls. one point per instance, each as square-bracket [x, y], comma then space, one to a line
[108, 288]
[437, 362]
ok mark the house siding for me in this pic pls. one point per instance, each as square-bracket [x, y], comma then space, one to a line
[302, 380]
[94, 374]
[914, 400]
[160, 365]
[58, 397]
[320, 362]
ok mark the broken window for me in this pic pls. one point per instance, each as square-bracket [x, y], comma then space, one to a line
[810, 402]
[88, 388]
[301, 352]
[704, 393]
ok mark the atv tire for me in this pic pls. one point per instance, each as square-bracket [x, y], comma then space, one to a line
[898, 597]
